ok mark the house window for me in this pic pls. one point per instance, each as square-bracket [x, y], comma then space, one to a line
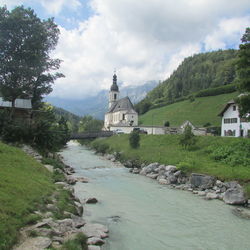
[234, 108]
[230, 120]
[243, 119]
[229, 132]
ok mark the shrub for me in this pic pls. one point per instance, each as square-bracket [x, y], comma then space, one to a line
[216, 91]
[134, 139]
[187, 139]
[166, 124]
[191, 98]
[207, 124]
[236, 153]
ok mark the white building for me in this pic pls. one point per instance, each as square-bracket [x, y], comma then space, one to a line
[232, 124]
[121, 111]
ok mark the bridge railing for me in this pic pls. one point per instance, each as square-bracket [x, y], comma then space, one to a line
[89, 135]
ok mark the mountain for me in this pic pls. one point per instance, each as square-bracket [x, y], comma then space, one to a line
[195, 73]
[97, 105]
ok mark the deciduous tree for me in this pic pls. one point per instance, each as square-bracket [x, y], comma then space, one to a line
[243, 73]
[25, 62]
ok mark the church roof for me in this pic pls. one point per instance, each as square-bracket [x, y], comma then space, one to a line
[122, 104]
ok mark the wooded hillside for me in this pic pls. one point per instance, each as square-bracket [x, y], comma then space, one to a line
[195, 73]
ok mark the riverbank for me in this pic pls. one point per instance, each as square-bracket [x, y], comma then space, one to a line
[142, 214]
[39, 208]
[24, 185]
[227, 159]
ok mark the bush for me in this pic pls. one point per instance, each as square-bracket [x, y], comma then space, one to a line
[236, 153]
[191, 98]
[166, 124]
[187, 139]
[216, 91]
[100, 147]
[134, 139]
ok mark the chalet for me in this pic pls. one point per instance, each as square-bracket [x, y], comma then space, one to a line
[22, 107]
[232, 124]
[121, 111]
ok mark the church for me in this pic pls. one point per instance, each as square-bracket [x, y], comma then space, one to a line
[121, 112]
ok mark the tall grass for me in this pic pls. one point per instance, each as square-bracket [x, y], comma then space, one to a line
[24, 184]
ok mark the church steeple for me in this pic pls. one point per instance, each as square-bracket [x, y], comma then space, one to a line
[114, 91]
[114, 86]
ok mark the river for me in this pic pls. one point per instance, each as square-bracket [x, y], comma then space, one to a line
[144, 215]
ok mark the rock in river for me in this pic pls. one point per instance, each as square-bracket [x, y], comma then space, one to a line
[235, 196]
[202, 181]
[91, 200]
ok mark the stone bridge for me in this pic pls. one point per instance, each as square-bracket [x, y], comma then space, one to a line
[90, 135]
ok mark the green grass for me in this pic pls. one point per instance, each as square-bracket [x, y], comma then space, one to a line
[165, 149]
[199, 112]
[24, 184]
[79, 243]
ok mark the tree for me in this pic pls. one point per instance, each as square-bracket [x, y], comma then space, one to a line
[88, 123]
[134, 139]
[25, 63]
[243, 73]
[187, 138]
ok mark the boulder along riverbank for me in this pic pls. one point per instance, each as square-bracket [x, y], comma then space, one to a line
[205, 186]
[55, 225]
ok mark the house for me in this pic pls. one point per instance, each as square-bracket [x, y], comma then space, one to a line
[121, 111]
[232, 124]
[22, 107]
[195, 130]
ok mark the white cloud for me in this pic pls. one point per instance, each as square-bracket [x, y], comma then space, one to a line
[55, 6]
[145, 40]
[227, 32]
[11, 3]
[51, 6]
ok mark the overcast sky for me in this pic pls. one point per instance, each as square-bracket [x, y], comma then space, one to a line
[143, 39]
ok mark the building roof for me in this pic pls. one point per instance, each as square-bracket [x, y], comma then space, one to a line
[19, 103]
[122, 104]
[226, 107]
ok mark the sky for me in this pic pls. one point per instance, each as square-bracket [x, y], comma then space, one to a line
[143, 40]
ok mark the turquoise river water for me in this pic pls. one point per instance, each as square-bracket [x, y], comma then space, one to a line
[143, 215]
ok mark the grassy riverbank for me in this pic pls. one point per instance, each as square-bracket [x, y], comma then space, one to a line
[24, 185]
[225, 158]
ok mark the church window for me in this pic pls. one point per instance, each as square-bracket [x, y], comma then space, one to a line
[123, 116]
[234, 108]
[115, 96]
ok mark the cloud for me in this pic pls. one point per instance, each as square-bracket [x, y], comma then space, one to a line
[227, 33]
[144, 40]
[11, 3]
[55, 6]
